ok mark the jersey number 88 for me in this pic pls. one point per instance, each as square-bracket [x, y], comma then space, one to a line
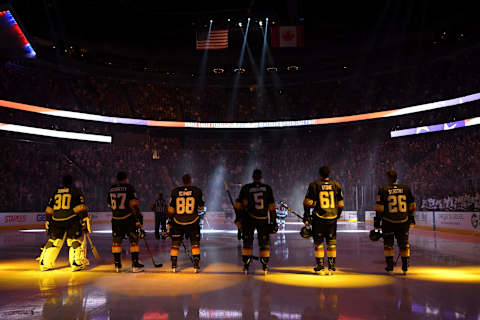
[185, 205]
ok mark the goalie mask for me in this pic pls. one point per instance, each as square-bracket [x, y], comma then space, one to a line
[306, 233]
[375, 235]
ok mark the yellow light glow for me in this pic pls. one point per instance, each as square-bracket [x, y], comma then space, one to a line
[303, 277]
[25, 274]
[163, 283]
[467, 274]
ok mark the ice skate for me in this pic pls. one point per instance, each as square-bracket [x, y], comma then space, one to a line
[331, 266]
[319, 268]
[405, 265]
[196, 265]
[389, 267]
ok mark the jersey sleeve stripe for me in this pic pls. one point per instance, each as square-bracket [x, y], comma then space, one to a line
[79, 208]
[133, 203]
[308, 202]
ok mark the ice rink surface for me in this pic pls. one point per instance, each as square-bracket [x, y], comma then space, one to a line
[443, 282]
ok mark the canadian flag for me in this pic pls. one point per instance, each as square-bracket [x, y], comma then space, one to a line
[290, 36]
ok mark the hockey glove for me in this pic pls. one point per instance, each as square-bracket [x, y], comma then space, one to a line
[307, 220]
[86, 227]
[411, 221]
[238, 223]
[377, 223]
[274, 228]
[141, 233]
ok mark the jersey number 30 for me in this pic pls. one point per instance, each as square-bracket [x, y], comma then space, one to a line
[62, 201]
[185, 205]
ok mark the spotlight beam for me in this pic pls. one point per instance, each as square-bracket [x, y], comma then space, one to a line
[237, 76]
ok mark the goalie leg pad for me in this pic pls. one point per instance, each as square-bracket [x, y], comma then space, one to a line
[50, 253]
[76, 254]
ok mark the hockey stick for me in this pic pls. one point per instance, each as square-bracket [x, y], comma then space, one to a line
[186, 252]
[240, 233]
[156, 265]
[283, 204]
[94, 249]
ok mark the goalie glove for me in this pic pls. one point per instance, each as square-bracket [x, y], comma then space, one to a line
[86, 226]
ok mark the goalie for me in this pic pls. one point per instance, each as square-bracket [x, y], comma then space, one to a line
[66, 217]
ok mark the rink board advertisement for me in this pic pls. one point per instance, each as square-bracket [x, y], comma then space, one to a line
[459, 222]
[37, 219]
[20, 219]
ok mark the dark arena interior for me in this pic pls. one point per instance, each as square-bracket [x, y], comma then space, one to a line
[246, 159]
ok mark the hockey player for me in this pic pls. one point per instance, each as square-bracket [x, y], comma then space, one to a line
[159, 208]
[253, 207]
[185, 203]
[325, 196]
[66, 217]
[127, 221]
[395, 215]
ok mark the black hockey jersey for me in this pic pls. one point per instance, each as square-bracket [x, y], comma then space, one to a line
[65, 204]
[185, 202]
[325, 197]
[395, 203]
[121, 198]
[257, 199]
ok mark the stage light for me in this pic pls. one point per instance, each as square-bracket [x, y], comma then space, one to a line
[248, 19]
[218, 70]
[211, 21]
[272, 69]
[293, 68]
[266, 19]
[228, 19]
[240, 24]
[260, 23]
[240, 70]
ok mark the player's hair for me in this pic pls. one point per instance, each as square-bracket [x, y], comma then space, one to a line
[392, 175]
[324, 171]
[67, 180]
[121, 175]
[187, 179]
[257, 174]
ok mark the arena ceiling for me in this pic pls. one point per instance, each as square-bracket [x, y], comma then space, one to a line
[165, 31]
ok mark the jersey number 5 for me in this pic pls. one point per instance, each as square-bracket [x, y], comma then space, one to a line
[258, 199]
[327, 200]
[185, 205]
[62, 201]
[397, 203]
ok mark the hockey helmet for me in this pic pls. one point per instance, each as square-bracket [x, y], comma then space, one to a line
[306, 232]
[375, 235]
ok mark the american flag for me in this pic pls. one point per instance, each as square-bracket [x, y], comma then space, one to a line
[218, 39]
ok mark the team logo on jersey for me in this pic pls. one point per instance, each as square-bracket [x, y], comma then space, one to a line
[475, 220]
